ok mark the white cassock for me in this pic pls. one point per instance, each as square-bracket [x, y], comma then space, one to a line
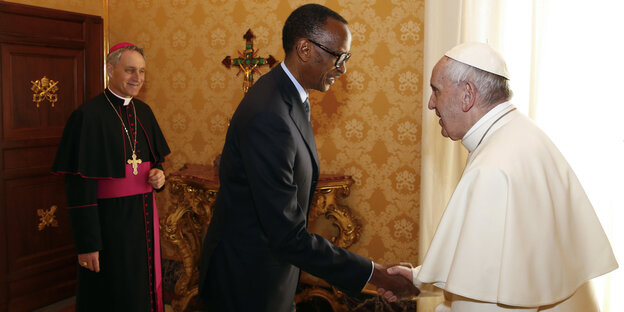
[519, 230]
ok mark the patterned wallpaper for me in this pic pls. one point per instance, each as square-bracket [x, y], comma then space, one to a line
[368, 125]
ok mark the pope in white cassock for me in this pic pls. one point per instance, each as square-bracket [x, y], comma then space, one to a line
[519, 233]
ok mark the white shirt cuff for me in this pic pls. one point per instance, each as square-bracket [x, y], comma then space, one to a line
[372, 270]
[415, 280]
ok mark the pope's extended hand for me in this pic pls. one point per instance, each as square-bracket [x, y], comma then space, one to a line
[398, 285]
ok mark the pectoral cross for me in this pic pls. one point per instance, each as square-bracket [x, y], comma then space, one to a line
[135, 163]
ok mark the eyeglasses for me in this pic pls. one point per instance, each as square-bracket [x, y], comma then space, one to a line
[341, 57]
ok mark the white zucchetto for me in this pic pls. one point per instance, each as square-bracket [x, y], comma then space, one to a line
[481, 56]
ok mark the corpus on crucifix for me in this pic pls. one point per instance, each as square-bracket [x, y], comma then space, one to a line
[248, 61]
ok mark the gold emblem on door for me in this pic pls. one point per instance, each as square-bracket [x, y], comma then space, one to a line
[47, 217]
[44, 89]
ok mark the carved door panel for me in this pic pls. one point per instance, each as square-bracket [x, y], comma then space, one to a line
[40, 253]
[50, 62]
[44, 84]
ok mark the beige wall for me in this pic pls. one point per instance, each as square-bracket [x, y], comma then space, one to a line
[368, 125]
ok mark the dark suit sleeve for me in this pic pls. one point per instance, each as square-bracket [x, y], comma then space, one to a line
[83, 213]
[269, 150]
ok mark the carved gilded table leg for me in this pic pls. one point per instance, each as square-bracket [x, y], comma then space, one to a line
[184, 227]
[327, 198]
[334, 298]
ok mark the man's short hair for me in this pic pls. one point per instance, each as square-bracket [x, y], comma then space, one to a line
[307, 21]
[115, 56]
[493, 88]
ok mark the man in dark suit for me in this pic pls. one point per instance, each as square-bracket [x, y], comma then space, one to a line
[258, 241]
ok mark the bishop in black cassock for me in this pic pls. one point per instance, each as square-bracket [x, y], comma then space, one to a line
[110, 202]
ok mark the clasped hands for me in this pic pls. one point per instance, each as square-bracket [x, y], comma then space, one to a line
[156, 178]
[394, 283]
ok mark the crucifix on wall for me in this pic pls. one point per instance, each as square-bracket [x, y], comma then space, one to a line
[248, 61]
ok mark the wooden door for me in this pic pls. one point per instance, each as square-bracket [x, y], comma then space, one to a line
[50, 62]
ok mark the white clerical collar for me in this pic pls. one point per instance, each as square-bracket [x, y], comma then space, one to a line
[125, 99]
[474, 135]
[302, 92]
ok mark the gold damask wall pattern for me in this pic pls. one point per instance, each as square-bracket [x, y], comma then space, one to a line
[367, 125]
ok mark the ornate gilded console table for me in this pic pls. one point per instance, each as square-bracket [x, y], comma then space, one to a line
[193, 191]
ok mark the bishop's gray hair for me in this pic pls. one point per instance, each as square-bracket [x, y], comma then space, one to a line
[115, 56]
[493, 88]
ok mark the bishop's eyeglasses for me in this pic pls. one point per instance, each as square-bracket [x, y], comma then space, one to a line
[341, 58]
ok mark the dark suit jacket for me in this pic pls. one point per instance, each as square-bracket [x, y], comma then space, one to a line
[258, 239]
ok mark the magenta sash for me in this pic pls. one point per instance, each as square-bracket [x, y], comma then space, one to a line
[135, 185]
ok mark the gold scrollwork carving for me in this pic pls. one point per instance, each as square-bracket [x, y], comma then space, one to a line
[47, 217]
[334, 297]
[185, 227]
[44, 89]
[327, 202]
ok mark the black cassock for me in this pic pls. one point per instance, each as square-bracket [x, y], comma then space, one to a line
[95, 147]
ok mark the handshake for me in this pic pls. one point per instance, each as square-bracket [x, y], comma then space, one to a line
[394, 281]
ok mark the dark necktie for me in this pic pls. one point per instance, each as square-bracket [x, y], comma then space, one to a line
[306, 107]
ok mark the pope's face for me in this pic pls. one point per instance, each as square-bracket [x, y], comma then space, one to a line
[324, 72]
[445, 100]
[127, 76]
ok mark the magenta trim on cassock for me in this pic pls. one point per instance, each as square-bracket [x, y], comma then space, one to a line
[135, 185]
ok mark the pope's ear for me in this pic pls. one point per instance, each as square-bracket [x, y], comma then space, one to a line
[469, 96]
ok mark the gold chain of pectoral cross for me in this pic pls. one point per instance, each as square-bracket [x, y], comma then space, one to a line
[134, 161]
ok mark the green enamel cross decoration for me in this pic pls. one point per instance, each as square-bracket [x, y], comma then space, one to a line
[248, 62]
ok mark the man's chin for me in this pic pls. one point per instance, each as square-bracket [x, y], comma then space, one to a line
[445, 134]
[323, 88]
[133, 93]
[328, 83]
